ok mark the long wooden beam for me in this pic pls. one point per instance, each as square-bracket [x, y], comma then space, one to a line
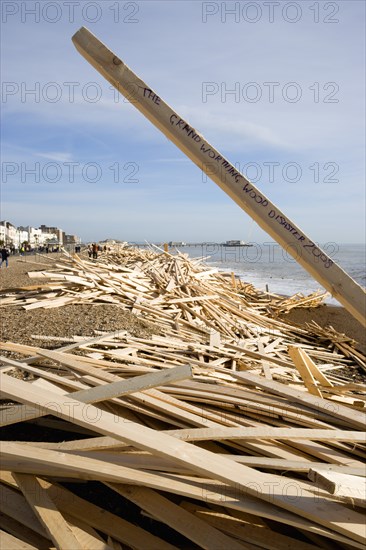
[268, 216]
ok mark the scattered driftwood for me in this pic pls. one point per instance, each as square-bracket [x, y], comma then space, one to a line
[227, 427]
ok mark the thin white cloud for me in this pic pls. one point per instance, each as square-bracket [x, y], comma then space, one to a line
[57, 156]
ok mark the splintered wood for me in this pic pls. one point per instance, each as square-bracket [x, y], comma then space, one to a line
[227, 429]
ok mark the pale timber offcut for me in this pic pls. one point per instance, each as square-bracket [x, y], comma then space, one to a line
[268, 216]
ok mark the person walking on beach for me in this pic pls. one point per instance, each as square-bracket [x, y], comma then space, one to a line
[4, 257]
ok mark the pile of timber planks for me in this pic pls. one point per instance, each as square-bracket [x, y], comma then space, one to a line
[190, 301]
[227, 429]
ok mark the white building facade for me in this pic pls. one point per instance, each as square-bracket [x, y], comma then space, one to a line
[15, 237]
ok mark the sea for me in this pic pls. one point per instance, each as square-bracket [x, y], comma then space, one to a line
[270, 268]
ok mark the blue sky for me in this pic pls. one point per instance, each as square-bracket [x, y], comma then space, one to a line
[77, 156]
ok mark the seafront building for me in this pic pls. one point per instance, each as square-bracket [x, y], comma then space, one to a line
[31, 237]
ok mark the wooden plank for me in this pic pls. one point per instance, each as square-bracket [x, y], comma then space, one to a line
[335, 410]
[98, 518]
[329, 514]
[106, 522]
[132, 385]
[19, 530]
[315, 371]
[296, 465]
[241, 395]
[148, 462]
[179, 519]
[14, 505]
[191, 299]
[86, 535]
[243, 517]
[257, 446]
[205, 490]
[101, 392]
[21, 413]
[256, 403]
[9, 542]
[267, 215]
[325, 452]
[114, 544]
[47, 512]
[215, 340]
[94, 443]
[42, 373]
[247, 507]
[233, 280]
[253, 535]
[305, 372]
[341, 485]
[155, 399]
[266, 432]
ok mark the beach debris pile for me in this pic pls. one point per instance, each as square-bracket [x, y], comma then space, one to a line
[227, 428]
[186, 299]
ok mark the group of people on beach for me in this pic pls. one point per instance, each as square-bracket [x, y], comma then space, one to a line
[94, 248]
[93, 251]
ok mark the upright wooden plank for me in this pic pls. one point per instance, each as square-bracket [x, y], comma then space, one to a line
[305, 372]
[317, 374]
[222, 172]
[330, 514]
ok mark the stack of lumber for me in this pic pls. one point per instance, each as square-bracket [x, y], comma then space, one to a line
[228, 428]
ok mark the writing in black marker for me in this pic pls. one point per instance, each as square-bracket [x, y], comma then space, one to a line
[282, 221]
[253, 194]
[224, 165]
[152, 95]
